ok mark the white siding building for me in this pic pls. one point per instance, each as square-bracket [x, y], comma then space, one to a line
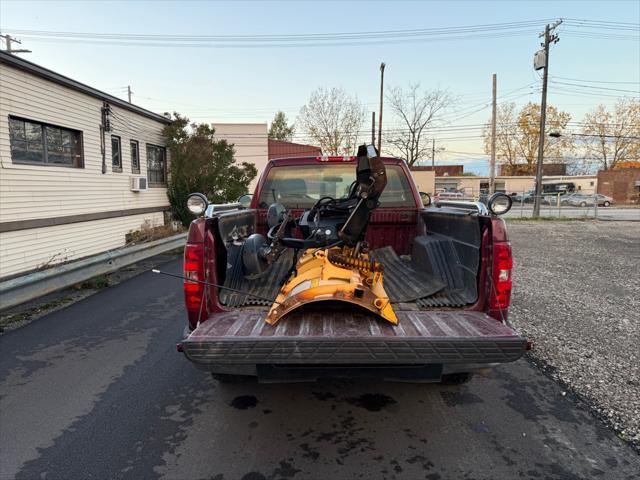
[68, 153]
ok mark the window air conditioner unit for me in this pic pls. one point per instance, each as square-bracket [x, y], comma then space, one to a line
[138, 184]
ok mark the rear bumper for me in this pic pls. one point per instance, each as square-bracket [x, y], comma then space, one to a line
[347, 338]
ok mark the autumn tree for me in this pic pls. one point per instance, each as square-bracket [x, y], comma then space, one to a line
[611, 138]
[280, 129]
[416, 111]
[200, 163]
[332, 119]
[518, 134]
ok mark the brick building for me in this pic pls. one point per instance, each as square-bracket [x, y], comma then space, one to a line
[548, 169]
[621, 184]
[441, 170]
[282, 149]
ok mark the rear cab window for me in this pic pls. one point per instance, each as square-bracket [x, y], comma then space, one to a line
[303, 185]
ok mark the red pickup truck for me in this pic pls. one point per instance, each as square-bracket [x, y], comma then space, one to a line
[447, 272]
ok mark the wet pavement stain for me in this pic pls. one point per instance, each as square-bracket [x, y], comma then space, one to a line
[374, 402]
[323, 396]
[309, 452]
[455, 398]
[254, 476]
[243, 402]
[286, 470]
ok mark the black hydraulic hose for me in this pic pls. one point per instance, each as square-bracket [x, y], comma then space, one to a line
[155, 270]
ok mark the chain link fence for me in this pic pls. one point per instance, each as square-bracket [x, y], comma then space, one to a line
[578, 204]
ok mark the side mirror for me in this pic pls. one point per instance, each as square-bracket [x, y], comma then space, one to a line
[245, 200]
[499, 203]
[426, 199]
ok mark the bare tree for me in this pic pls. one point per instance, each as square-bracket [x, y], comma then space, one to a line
[416, 111]
[332, 119]
[611, 138]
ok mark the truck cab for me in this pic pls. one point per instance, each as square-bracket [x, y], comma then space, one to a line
[447, 272]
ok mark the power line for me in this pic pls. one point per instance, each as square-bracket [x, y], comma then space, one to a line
[593, 81]
[594, 87]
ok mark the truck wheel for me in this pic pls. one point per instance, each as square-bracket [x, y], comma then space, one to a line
[456, 378]
[229, 378]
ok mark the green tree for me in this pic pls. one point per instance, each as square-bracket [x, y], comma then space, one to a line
[201, 163]
[518, 133]
[280, 129]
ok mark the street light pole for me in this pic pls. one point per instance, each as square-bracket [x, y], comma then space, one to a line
[382, 65]
[492, 167]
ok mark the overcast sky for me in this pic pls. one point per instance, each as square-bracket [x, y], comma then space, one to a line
[248, 84]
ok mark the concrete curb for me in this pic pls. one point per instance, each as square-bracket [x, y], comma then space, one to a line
[37, 284]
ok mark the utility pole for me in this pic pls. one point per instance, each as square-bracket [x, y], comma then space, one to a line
[129, 92]
[433, 154]
[8, 40]
[382, 65]
[549, 38]
[373, 128]
[492, 166]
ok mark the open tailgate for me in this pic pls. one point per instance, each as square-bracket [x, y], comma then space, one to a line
[345, 337]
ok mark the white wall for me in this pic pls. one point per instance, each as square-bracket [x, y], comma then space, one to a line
[250, 141]
[25, 250]
[30, 192]
[425, 181]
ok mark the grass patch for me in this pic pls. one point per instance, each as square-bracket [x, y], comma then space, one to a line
[148, 233]
[24, 315]
[95, 283]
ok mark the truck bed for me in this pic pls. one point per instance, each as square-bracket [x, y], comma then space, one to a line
[341, 336]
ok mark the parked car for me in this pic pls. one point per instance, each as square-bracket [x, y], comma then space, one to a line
[450, 196]
[583, 200]
[567, 198]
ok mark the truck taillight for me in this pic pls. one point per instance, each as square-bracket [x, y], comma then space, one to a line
[501, 276]
[194, 272]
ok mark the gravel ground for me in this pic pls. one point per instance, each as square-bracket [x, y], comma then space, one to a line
[577, 296]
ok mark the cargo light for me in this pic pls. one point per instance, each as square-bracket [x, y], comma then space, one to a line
[501, 276]
[335, 158]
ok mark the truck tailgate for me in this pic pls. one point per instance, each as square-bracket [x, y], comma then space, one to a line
[350, 337]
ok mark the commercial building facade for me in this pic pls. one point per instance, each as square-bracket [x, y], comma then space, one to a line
[473, 186]
[69, 157]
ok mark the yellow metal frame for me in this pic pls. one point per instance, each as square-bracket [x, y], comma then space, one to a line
[337, 274]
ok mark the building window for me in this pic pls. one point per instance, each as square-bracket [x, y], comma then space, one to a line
[156, 165]
[44, 144]
[135, 157]
[116, 154]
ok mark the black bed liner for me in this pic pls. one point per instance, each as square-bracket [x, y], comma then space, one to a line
[443, 284]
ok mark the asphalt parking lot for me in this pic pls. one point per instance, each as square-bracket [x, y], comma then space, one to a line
[97, 390]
